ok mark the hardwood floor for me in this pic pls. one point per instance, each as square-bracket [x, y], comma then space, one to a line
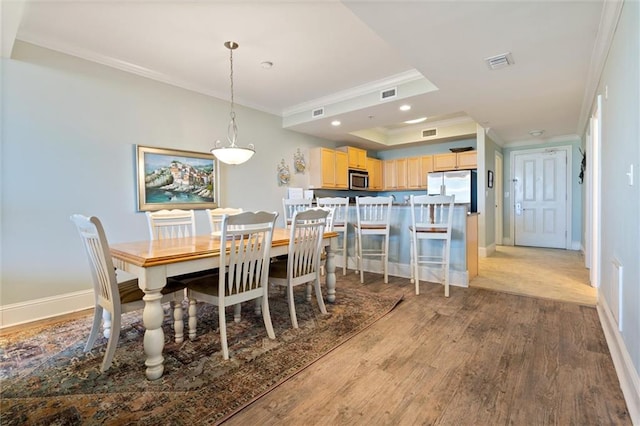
[480, 357]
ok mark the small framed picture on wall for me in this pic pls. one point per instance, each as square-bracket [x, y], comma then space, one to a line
[490, 178]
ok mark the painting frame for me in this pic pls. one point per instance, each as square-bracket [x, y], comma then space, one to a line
[490, 179]
[188, 179]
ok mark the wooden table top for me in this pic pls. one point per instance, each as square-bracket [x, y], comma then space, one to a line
[162, 252]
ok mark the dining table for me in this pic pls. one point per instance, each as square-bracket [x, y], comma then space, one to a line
[152, 262]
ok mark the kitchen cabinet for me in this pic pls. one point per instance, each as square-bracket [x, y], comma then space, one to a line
[328, 169]
[357, 157]
[455, 161]
[395, 174]
[341, 170]
[374, 168]
[427, 167]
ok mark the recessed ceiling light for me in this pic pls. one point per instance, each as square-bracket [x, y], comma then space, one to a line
[335, 123]
[417, 120]
[266, 64]
[536, 133]
[405, 107]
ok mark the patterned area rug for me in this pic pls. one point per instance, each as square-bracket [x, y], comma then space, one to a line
[47, 378]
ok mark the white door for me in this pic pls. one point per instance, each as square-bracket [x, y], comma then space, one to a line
[540, 190]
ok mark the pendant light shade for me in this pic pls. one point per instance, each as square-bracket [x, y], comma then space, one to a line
[232, 154]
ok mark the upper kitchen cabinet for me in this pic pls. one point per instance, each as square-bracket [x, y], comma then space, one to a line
[374, 168]
[357, 157]
[455, 161]
[328, 169]
[395, 174]
[417, 169]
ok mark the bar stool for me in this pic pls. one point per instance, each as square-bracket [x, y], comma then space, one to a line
[431, 218]
[340, 206]
[373, 219]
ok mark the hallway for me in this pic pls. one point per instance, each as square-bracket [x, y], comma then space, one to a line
[540, 272]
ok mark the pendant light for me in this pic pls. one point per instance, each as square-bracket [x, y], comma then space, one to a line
[232, 154]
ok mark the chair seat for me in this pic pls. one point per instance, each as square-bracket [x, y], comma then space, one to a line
[371, 226]
[205, 284]
[420, 229]
[130, 292]
[278, 269]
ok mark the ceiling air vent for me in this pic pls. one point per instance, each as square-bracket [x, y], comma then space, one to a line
[429, 132]
[499, 61]
[318, 112]
[388, 93]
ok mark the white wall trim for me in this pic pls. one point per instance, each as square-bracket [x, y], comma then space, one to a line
[487, 251]
[47, 307]
[627, 374]
[403, 270]
[576, 245]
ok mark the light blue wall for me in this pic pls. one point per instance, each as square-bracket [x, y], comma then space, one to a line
[68, 146]
[576, 188]
[620, 201]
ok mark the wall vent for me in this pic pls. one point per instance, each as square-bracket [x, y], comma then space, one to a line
[427, 133]
[388, 93]
[318, 112]
[500, 61]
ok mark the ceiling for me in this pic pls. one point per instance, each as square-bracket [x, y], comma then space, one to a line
[337, 57]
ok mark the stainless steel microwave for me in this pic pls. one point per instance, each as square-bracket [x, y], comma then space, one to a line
[358, 179]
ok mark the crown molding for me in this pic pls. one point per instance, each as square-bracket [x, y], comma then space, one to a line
[132, 68]
[611, 10]
[364, 89]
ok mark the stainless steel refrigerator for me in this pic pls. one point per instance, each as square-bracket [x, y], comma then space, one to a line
[461, 183]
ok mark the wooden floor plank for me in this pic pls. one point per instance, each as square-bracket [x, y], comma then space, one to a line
[478, 357]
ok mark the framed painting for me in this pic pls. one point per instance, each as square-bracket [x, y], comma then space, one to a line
[175, 179]
[490, 179]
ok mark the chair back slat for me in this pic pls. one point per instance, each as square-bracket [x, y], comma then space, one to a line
[248, 236]
[165, 224]
[307, 231]
[340, 206]
[432, 211]
[215, 217]
[97, 249]
[374, 211]
[293, 205]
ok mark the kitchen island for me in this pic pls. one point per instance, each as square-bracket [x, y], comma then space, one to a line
[464, 246]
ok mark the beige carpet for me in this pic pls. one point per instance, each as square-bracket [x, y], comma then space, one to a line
[548, 273]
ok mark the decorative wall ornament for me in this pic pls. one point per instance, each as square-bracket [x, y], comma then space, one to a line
[284, 175]
[298, 162]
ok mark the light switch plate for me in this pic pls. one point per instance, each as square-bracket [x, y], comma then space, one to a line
[630, 174]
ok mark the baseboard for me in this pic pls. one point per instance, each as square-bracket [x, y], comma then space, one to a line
[456, 278]
[627, 374]
[47, 307]
[486, 251]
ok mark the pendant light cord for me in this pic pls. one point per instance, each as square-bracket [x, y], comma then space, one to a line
[233, 128]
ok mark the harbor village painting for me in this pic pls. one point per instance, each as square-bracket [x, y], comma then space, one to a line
[174, 179]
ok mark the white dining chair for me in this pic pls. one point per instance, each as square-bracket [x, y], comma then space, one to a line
[171, 224]
[373, 216]
[292, 205]
[215, 217]
[340, 206]
[431, 220]
[302, 265]
[248, 236]
[112, 296]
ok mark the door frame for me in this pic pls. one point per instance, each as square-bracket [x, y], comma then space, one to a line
[512, 217]
[499, 198]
